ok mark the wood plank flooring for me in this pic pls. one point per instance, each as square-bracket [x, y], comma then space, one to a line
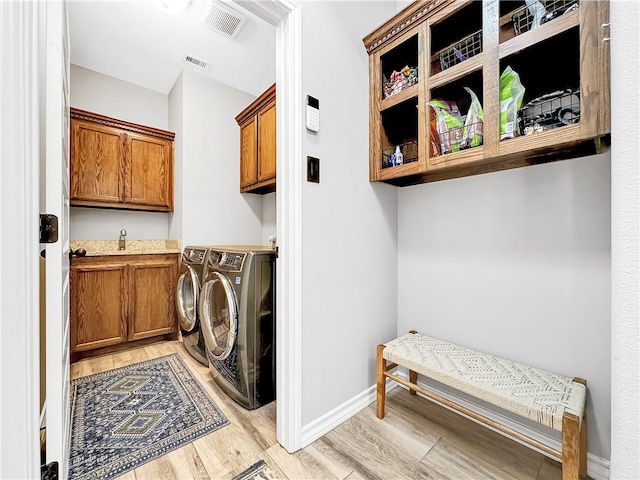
[416, 440]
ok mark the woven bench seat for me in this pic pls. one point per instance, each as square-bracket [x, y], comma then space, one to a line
[555, 401]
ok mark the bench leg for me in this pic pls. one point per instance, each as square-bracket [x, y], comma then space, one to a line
[381, 383]
[582, 467]
[570, 446]
[413, 378]
[583, 447]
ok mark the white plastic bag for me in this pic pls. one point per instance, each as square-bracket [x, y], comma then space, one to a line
[472, 135]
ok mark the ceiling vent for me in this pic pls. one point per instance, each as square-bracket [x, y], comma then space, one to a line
[222, 19]
[196, 62]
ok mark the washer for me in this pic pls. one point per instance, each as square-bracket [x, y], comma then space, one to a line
[192, 273]
[237, 312]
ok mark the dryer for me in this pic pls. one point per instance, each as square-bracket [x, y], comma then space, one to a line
[237, 312]
[193, 269]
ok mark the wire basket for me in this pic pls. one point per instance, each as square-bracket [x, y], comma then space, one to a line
[409, 152]
[523, 20]
[461, 138]
[550, 111]
[460, 51]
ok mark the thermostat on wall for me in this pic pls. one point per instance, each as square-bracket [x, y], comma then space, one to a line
[313, 114]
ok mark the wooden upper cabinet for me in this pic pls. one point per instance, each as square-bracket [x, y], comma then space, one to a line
[150, 171]
[97, 173]
[119, 164]
[562, 63]
[267, 142]
[258, 144]
[248, 154]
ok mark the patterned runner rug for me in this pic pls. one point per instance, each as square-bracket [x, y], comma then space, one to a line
[132, 415]
[258, 471]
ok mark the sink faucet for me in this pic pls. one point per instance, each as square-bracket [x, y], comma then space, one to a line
[121, 240]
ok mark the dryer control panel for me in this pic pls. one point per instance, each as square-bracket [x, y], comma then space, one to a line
[195, 255]
[231, 261]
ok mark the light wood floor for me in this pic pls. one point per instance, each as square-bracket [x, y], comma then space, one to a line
[416, 440]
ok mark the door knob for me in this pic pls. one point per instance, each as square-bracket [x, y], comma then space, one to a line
[79, 252]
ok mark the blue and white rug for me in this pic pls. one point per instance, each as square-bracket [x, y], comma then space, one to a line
[129, 416]
[258, 471]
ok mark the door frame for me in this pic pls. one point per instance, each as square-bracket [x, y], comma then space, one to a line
[19, 240]
[286, 16]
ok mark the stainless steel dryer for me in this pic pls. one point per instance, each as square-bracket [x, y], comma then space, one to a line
[192, 272]
[237, 312]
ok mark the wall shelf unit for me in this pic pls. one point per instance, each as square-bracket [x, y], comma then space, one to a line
[562, 60]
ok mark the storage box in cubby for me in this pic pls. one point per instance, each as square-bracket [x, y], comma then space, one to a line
[549, 111]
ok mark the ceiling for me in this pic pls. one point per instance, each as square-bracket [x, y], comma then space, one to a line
[137, 42]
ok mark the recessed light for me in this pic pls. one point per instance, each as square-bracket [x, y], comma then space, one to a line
[172, 6]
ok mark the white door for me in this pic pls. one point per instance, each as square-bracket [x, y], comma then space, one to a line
[57, 265]
[19, 253]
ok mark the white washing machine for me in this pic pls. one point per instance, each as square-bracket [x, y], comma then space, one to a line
[193, 270]
[237, 313]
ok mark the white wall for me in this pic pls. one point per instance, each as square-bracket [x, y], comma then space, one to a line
[625, 225]
[516, 264]
[349, 225]
[109, 96]
[268, 217]
[176, 110]
[213, 209]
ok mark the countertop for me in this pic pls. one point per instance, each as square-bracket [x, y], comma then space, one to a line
[97, 248]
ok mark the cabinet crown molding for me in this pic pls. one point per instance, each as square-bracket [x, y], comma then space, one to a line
[267, 97]
[412, 15]
[78, 114]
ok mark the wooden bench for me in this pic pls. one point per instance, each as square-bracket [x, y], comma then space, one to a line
[553, 400]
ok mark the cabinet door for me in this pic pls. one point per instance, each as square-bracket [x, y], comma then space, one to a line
[267, 143]
[98, 306]
[152, 298]
[149, 172]
[248, 154]
[97, 164]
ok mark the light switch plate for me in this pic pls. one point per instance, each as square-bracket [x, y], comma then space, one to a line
[313, 169]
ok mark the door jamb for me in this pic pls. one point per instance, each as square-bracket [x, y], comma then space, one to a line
[286, 16]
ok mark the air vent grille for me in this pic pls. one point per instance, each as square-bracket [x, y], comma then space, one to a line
[197, 62]
[222, 19]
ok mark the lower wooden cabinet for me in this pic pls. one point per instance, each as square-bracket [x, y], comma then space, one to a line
[120, 299]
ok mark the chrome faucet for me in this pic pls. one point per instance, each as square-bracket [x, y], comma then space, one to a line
[121, 240]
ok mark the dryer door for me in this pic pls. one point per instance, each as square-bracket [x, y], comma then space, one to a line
[187, 291]
[218, 311]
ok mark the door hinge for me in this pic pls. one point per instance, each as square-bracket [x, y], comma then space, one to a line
[49, 471]
[48, 228]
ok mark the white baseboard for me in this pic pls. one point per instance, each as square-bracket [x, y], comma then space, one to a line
[597, 467]
[335, 417]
